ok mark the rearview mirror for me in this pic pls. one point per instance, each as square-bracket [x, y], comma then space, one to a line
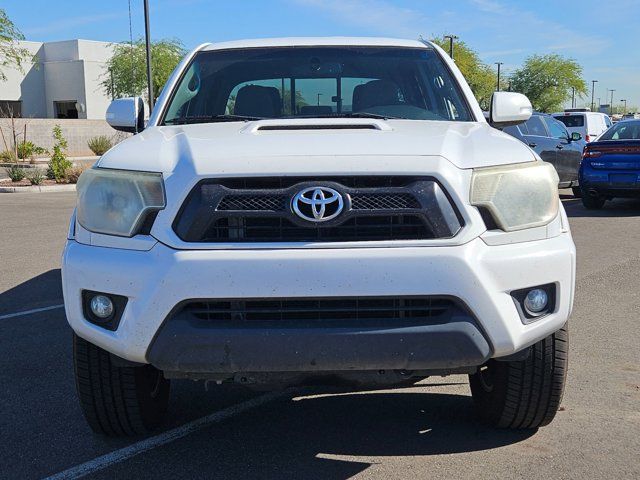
[126, 114]
[509, 108]
[575, 136]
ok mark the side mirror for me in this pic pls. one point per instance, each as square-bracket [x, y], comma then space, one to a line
[126, 114]
[575, 136]
[509, 108]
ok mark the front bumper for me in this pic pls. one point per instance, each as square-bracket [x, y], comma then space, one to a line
[480, 276]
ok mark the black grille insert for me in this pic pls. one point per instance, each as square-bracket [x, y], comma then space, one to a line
[257, 210]
[321, 312]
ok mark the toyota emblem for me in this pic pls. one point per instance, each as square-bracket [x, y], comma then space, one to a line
[317, 204]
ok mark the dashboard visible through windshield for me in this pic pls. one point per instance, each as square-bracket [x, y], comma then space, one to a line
[327, 82]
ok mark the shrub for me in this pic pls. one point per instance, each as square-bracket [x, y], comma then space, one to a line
[59, 163]
[36, 177]
[73, 174]
[8, 157]
[100, 144]
[16, 173]
[29, 149]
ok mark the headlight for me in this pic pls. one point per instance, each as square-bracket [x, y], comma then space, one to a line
[517, 196]
[116, 202]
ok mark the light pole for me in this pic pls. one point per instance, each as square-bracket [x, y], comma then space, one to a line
[625, 105]
[147, 38]
[451, 39]
[498, 84]
[573, 97]
[611, 104]
[593, 90]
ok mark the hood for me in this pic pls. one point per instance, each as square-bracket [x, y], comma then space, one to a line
[276, 146]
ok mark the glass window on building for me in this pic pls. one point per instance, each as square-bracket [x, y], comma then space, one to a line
[66, 109]
[10, 108]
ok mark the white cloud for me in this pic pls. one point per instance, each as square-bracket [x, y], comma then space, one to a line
[378, 15]
[69, 23]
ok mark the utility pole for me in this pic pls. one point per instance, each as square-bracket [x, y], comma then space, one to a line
[147, 37]
[611, 105]
[451, 39]
[593, 90]
[498, 84]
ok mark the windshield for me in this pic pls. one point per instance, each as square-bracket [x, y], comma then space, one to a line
[629, 130]
[571, 121]
[256, 83]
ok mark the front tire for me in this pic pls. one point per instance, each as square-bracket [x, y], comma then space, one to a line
[523, 394]
[118, 401]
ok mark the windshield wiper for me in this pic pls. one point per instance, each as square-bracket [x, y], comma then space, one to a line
[210, 119]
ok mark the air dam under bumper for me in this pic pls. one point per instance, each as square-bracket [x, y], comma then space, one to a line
[319, 335]
[479, 275]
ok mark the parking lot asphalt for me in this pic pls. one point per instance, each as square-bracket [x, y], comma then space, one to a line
[426, 431]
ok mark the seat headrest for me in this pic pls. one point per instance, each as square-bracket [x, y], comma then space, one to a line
[258, 101]
[374, 93]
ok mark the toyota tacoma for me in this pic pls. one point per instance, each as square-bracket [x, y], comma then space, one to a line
[318, 210]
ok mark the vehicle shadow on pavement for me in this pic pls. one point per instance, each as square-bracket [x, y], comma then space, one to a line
[319, 436]
[40, 291]
[619, 207]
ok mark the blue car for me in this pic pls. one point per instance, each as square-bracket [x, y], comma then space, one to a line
[611, 165]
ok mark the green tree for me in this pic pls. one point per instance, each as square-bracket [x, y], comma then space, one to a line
[547, 80]
[126, 71]
[59, 164]
[12, 55]
[480, 76]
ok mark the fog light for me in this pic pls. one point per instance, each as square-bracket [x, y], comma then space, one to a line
[535, 301]
[101, 306]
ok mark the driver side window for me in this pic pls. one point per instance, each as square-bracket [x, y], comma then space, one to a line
[556, 129]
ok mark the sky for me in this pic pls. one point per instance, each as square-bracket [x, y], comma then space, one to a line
[602, 36]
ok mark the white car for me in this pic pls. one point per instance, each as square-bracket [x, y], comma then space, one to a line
[590, 125]
[370, 228]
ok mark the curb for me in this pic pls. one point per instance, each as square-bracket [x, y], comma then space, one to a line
[39, 189]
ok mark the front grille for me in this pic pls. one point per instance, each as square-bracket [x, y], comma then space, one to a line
[258, 210]
[254, 202]
[322, 312]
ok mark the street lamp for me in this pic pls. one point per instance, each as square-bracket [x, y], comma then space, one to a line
[625, 105]
[451, 39]
[498, 85]
[611, 104]
[147, 39]
[593, 89]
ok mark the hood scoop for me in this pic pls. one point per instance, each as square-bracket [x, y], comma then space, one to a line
[315, 124]
[319, 126]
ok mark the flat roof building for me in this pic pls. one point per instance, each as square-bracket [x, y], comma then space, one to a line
[63, 83]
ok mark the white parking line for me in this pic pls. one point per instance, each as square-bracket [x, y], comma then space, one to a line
[29, 312]
[147, 444]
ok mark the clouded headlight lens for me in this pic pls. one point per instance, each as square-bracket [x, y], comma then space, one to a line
[517, 196]
[116, 202]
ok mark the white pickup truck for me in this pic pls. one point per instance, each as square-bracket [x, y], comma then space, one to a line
[313, 210]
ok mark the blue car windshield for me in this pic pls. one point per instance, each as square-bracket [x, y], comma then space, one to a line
[256, 83]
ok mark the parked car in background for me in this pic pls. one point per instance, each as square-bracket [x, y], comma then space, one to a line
[611, 166]
[552, 141]
[588, 124]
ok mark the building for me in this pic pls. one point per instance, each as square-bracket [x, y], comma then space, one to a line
[63, 83]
